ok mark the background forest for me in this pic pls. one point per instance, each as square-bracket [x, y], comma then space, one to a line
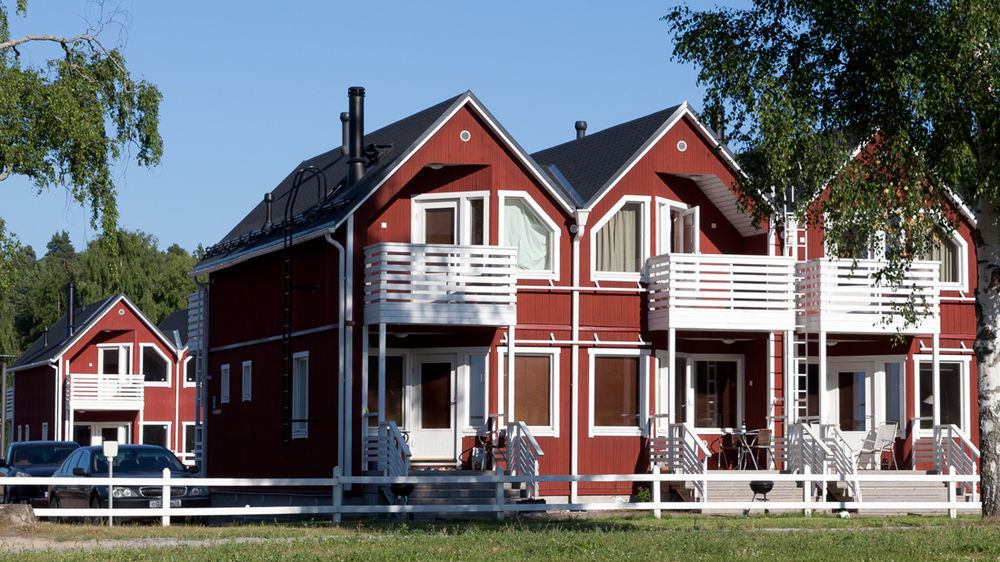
[156, 281]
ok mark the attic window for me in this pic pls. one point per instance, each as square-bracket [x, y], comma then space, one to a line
[154, 365]
[620, 238]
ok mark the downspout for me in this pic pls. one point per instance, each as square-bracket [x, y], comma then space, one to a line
[574, 458]
[177, 399]
[56, 413]
[348, 304]
[340, 347]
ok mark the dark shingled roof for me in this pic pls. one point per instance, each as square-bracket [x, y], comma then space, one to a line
[590, 163]
[313, 209]
[176, 321]
[38, 352]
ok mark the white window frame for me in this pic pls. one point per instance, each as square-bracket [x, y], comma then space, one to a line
[124, 357]
[142, 431]
[184, 373]
[142, 366]
[300, 430]
[965, 362]
[665, 224]
[962, 285]
[246, 385]
[45, 431]
[460, 201]
[182, 452]
[554, 230]
[465, 390]
[224, 384]
[506, 397]
[621, 275]
[639, 429]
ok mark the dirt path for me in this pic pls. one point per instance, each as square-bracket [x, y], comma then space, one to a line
[10, 545]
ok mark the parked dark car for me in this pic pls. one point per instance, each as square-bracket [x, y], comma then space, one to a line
[32, 458]
[132, 461]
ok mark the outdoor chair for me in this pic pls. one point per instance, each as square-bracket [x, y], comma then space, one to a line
[878, 441]
[764, 442]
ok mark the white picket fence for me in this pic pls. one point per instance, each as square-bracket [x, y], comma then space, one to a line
[337, 508]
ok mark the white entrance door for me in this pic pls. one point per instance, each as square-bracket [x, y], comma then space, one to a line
[100, 432]
[431, 398]
[850, 399]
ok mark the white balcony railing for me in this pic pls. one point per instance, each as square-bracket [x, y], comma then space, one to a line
[10, 403]
[440, 284]
[721, 292]
[837, 296]
[105, 392]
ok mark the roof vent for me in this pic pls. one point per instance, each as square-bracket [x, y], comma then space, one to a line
[581, 129]
[45, 337]
[70, 305]
[344, 118]
[268, 200]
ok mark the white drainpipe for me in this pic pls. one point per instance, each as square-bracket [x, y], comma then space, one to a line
[348, 301]
[340, 348]
[57, 413]
[574, 459]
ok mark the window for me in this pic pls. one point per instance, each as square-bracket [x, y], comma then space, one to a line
[534, 393]
[951, 251]
[676, 227]
[853, 400]
[892, 383]
[450, 218]
[620, 240]
[224, 384]
[300, 395]
[951, 403]
[247, 380]
[114, 359]
[190, 438]
[155, 433]
[716, 394]
[617, 392]
[191, 370]
[525, 226]
[155, 366]
[477, 390]
[45, 431]
[393, 387]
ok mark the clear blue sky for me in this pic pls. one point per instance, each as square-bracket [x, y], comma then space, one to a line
[252, 88]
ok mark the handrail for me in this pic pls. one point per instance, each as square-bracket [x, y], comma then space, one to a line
[808, 452]
[524, 453]
[950, 446]
[394, 454]
[843, 458]
[681, 450]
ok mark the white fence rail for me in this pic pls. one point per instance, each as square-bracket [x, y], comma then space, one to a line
[105, 392]
[839, 295]
[721, 292]
[337, 508]
[440, 284]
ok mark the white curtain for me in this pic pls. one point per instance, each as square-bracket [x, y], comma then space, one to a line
[944, 251]
[619, 242]
[522, 228]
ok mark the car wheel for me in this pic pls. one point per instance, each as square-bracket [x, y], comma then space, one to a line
[54, 504]
[95, 504]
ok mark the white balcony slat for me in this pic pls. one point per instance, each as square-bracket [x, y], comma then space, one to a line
[105, 392]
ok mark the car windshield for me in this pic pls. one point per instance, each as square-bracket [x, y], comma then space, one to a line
[29, 455]
[136, 461]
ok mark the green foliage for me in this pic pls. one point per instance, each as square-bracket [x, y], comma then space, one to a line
[156, 281]
[66, 123]
[807, 82]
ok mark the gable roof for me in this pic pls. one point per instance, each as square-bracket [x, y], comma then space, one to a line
[176, 322]
[84, 317]
[594, 164]
[315, 211]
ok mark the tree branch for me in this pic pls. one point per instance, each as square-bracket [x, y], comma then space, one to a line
[65, 42]
[6, 172]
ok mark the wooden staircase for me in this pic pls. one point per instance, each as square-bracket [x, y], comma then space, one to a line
[465, 493]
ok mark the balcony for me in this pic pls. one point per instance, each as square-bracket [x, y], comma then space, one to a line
[105, 392]
[440, 284]
[837, 297]
[721, 292]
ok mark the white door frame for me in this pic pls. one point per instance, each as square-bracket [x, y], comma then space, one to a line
[430, 444]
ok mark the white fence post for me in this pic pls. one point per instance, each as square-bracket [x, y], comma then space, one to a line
[338, 498]
[807, 488]
[656, 492]
[165, 498]
[499, 492]
[952, 496]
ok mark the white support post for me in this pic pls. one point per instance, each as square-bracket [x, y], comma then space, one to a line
[807, 489]
[788, 390]
[656, 492]
[499, 492]
[165, 498]
[936, 377]
[952, 496]
[337, 498]
[509, 391]
[366, 420]
[381, 373]
[821, 391]
[672, 376]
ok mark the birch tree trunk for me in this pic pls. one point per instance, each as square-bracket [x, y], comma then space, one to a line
[987, 350]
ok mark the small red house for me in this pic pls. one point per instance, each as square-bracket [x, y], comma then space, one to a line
[433, 274]
[105, 372]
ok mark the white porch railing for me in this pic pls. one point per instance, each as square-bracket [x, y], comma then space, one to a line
[675, 447]
[844, 458]
[440, 284]
[808, 454]
[951, 452]
[721, 292]
[836, 296]
[522, 454]
[105, 392]
[388, 452]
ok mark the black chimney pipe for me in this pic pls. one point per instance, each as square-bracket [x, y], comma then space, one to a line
[719, 122]
[70, 305]
[581, 129]
[268, 199]
[356, 135]
[345, 117]
[45, 337]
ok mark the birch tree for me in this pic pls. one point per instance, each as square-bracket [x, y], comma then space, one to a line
[916, 83]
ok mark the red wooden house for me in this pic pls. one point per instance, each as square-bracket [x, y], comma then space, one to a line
[105, 372]
[433, 274]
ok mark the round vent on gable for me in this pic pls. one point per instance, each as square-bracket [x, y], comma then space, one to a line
[682, 146]
[121, 312]
[465, 136]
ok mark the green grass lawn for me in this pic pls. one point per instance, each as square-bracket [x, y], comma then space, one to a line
[638, 537]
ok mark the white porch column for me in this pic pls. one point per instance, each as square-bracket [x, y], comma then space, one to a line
[788, 390]
[935, 377]
[671, 376]
[821, 391]
[509, 391]
[381, 372]
[365, 420]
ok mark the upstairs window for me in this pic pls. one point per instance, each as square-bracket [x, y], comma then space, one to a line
[114, 359]
[526, 227]
[155, 366]
[450, 218]
[620, 240]
[951, 252]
